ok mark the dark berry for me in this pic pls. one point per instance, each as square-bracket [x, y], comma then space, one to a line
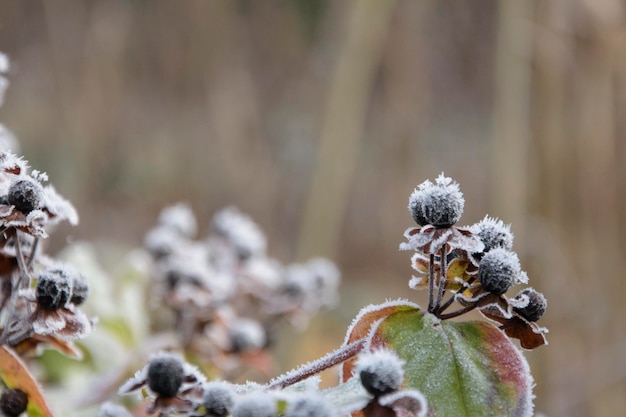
[218, 399]
[165, 375]
[493, 233]
[26, 195]
[498, 270]
[380, 372]
[54, 289]
[536, 306]
[13, 402]
[440, 204]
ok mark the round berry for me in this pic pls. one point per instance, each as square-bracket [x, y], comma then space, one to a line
[498, 270]
[536, 306]
[165, 375]
[440, 204]
[218, 399]
[493, 233]
[26, 195]
[380, 372]
[13, 402]
[54, 289]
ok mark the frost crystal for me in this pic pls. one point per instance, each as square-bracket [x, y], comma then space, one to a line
[255, 405]
[440, 204]
[499, 269]
[493, 233]
[380, 371]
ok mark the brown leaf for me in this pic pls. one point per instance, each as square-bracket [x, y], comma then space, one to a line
[15, 375]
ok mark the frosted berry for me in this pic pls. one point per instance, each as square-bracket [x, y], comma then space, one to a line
[218, 399]
[26, 195]
[380, 372]
[536, 306]
[440, 204]
[499, 269]
[54, 289]
[493, 233]
[13, 402]
[165, 375]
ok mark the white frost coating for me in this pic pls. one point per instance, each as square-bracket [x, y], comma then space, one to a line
[309, 405]
[410, 400]
[247, 334]
[240, 231]
[384, 364]
[493, 233]
[255, 405]
[180, 218]
[501, 259]
[439, 202]
[219, 397]
[376, 307]
[415, 282]
[59, 207]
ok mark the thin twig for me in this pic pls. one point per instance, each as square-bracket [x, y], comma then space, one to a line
[457, 313]
[441, 284]
[33, 252]
[312, 368]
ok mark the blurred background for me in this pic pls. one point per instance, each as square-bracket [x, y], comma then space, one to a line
[318, 118]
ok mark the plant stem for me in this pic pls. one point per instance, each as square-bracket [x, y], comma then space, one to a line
[457, 312]
[312, 368]
[431, 283]
[441, 282]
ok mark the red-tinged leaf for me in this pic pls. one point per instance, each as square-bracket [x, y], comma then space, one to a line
[463, 369]
[15, 375]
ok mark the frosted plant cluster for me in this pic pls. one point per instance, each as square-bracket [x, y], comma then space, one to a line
[225, 293]
[40, 297]
[475, 264]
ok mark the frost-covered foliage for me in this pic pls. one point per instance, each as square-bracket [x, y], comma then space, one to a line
[476, 264]
[223, 290]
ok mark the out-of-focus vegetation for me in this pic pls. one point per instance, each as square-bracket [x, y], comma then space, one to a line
[319, 117]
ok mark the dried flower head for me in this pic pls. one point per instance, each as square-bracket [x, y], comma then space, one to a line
[440, 204]
[54, 289]
[219, 398]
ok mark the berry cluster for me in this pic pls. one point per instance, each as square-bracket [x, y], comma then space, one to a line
[476, 264]
[38, 295]
[178, 388]
[225, 293]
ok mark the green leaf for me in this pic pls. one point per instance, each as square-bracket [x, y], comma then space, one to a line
[14, 374]
[463, 368]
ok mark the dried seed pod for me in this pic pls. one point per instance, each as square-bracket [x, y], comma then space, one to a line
[218, 398]
[255, 405]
